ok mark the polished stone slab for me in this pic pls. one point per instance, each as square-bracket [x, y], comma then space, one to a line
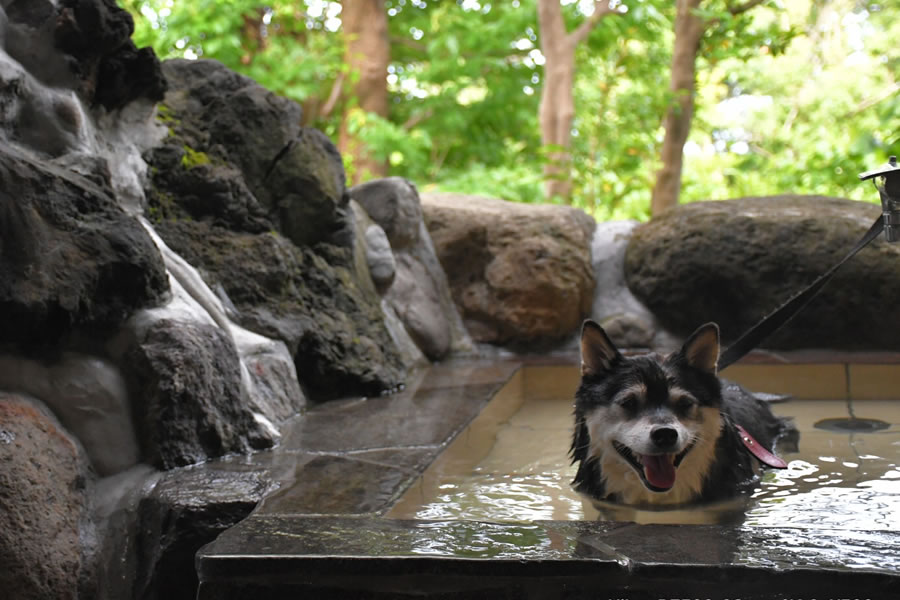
[336, 485]
[409, 419]
[374, 558]
[357, 455]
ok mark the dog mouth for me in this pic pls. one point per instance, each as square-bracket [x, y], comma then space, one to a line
[657, 471]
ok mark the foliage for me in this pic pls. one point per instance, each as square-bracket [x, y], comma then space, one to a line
[793, 97]
[275, 43]
[801, 118]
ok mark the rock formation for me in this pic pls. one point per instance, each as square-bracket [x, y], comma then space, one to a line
[735, 261]
[520, 274]
[43, 507]
[175, 282]
[418, 292]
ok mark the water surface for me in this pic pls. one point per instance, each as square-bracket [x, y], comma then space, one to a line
[511, 464]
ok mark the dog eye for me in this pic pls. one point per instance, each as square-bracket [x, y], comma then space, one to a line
[629, 403]
[685, 403]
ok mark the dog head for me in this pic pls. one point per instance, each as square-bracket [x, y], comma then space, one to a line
[646, 426]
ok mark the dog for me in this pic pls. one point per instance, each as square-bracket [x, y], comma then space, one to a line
[658, 432]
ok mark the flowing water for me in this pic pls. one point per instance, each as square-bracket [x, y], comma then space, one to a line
[511, 464]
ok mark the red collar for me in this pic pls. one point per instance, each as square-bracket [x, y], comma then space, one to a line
[758, 451]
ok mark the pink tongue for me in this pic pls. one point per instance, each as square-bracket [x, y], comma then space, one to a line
[659, 470]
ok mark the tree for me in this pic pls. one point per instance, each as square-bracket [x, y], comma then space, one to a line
[690, 26]
[806, 113]
[771, 113]
[367, 56]
[557, 109]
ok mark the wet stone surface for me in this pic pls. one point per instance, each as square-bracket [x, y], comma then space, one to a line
[383, 558]
[336, 484]
[356, 456]
[409, 419]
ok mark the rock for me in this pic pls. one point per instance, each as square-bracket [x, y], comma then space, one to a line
[187, 395]
[735, 261]
[625, 318]
[88, 395]
[409, 350]
[115, 553]
[70, 258]
[49, 121]
[185, 184]
[307, 189]
[295, 173]
[236, 171]
[627, 330]
[394, 204]
[42, 504]
[271, 377]
[185, 510]
[380, 257]
[520, 274]
[309, 299]
[112, 71]
[419, 294]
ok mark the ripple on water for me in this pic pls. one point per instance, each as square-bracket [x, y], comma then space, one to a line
[505, 497]
[858, 495]
[840, 481]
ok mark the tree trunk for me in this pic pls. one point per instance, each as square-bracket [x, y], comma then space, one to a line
[557, 109]
[689, 30]
[367, 56]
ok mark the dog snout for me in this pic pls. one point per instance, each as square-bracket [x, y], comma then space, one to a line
[664, 437]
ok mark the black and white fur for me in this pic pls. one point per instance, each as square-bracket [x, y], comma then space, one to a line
[639, 412]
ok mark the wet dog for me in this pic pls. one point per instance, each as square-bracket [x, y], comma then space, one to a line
[664, 431]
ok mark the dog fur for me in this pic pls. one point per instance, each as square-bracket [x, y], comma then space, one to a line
[660, 431]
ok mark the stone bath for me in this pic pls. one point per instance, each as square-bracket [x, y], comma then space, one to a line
[385, 518]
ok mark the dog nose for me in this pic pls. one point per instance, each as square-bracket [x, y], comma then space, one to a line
[664, 437]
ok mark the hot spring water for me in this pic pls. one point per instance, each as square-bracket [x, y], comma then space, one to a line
[511, 464]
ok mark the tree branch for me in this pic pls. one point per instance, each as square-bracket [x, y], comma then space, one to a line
[333, 97]
[742, 8]
[601, 9]
[866, 104]
[735, 10]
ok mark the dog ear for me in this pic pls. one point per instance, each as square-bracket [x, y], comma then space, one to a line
[701, 350]
[597, 352]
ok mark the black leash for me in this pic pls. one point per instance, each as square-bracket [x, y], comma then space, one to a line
[756, 334]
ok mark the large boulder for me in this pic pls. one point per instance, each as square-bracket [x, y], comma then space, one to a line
[259, 205]
[187, 395]
[70, 258]
[307, 298]
[418, 291]
[84, 45]
[735, 261]
[520, 273]
[625, 319]
[111, 69]
[43, 505]
[88, 395]
[294, 173]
